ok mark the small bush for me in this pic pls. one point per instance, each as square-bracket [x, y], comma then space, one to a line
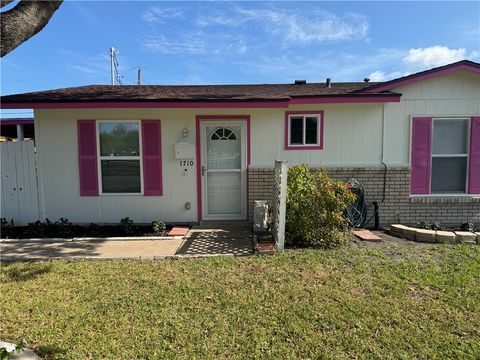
[158, 226]
[41, 229]
[429, 226]
[6, 228]
[315, 205]
[64, 228]
[127, 225]
[93, 230]
[467, 226]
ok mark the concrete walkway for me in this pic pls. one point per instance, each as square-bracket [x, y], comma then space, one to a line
[101, 249]
[221, 238]
[206, 240]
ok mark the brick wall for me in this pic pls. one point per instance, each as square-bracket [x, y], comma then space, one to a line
[398, 206]
[260, 186]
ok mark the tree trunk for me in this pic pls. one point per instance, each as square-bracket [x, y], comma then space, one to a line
[23, 21]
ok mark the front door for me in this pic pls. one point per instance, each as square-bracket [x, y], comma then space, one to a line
[223, 170]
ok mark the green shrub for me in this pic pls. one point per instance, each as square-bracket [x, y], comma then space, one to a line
[429, 226]
[64, 228]
[6, 228]
[93, 229]
[127, 225]
[315, 205]
[39, 229]
[158, 226]
[467, 226]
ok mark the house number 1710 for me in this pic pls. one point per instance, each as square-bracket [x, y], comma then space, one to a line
[186, 162]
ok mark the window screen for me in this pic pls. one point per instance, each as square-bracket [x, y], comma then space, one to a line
[311, 130]
[119, 139]
[121, 176]
[296, 130]
[449, 156]
[450, 137]
[304, 130]
[120, 166]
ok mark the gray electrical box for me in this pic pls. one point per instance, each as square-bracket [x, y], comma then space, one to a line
[260, 216]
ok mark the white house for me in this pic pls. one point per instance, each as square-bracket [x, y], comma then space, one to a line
[192, 153]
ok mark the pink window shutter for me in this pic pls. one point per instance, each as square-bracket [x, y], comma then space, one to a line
[87, 157]
[152, 158]
[421, 154]
[474, 167]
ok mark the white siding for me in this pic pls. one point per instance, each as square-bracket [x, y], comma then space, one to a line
[352, 136]
[57, 150]
[456, 94]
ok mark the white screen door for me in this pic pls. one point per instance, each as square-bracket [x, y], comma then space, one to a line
[223, 171]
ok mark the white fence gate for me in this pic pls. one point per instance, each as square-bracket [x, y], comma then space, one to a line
[19, 182]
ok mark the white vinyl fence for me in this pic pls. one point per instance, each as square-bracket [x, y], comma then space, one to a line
[19, 182]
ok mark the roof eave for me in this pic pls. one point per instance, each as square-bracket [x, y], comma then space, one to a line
[281, 103]
[424, 75]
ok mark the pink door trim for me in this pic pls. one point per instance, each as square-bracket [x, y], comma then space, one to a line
[198, 120]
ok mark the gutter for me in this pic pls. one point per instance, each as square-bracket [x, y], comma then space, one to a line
[242, 104]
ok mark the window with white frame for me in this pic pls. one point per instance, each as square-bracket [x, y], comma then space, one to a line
[120, 165]
[449, 161]
[304, 130]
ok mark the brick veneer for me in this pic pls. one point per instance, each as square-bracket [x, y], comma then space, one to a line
[398, 206]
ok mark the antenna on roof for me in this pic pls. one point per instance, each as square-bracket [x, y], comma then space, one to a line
[116, 78]
[139, 75]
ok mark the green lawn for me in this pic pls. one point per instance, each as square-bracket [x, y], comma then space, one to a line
[389, 302]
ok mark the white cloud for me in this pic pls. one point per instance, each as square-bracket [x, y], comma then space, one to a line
[420, 59]
[318, 66]
[157, 14]
[296, 27]
[94, 68]
[434, 56]
[377, 76]
[187, 44]
[218, 19]
[195, 43]
[87, 64]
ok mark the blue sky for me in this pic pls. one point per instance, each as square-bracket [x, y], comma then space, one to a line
[242, 42]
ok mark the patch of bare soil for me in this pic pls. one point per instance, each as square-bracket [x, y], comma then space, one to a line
[394, 246]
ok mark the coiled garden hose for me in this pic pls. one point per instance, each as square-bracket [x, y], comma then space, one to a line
[356, 212]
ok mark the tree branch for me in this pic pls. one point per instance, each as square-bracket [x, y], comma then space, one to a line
[5, 2]
[23, 21]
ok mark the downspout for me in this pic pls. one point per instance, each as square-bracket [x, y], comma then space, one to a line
[385, 169]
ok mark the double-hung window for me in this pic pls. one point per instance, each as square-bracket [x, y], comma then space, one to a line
[120, 165]
[449, 159]
[445, 155]
[304, 130]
